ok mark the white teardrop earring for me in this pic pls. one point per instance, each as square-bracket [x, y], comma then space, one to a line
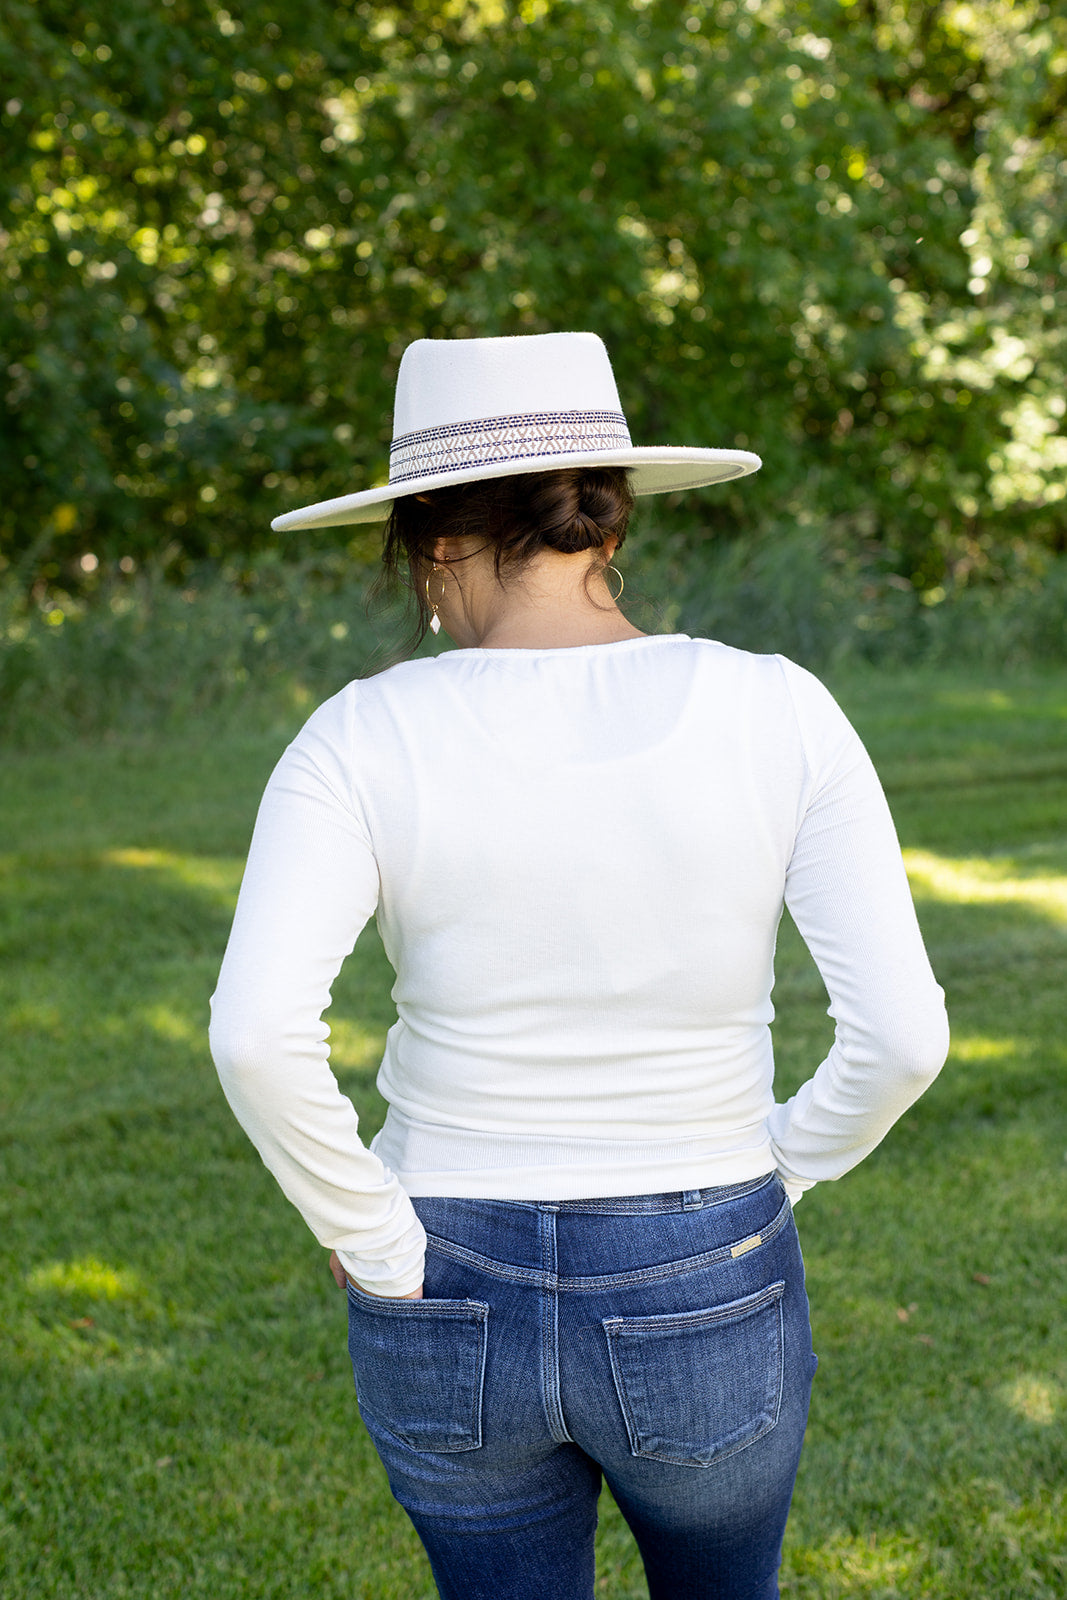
[435, 621]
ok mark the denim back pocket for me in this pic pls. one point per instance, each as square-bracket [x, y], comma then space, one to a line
[695, 1386]
[419, 1367]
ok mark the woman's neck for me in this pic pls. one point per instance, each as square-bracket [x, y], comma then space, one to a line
[555, 603]
[557, 631]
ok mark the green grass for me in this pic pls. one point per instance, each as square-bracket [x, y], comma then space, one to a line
[176, 1401]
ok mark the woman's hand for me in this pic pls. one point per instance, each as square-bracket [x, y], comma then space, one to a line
[341, 1278]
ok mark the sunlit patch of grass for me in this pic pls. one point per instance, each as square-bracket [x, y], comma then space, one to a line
[81, 1313]
[88, 1278]
[980, 1047]
[168, 1023]
[220, 876]
[1037, 1400]
[878, 1564]
[981, 880]
[354, 1047]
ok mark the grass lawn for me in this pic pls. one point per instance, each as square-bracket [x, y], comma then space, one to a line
[176, 1403]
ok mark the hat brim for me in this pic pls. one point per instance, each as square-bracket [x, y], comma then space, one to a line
[656, 469]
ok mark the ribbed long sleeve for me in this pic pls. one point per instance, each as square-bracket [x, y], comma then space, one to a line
[847, 892]
[309, 887]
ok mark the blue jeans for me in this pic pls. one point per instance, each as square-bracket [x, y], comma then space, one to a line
[660, 1340]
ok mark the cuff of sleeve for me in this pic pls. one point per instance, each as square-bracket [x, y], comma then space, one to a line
[369, 1275]
[392, 1269]
[794, 1188]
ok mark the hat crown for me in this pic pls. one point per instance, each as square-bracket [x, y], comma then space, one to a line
[446, 381]
[471, 404]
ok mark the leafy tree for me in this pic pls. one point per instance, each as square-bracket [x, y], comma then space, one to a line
[830, 231]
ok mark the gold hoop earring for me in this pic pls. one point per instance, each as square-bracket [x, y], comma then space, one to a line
[435, 621]
[622, 581]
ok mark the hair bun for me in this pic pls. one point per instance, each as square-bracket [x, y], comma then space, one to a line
[581, 533]
[580, 510]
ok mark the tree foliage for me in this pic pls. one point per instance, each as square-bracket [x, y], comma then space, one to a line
[830, 231]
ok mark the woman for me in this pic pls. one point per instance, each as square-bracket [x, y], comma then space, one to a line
[570, 1251]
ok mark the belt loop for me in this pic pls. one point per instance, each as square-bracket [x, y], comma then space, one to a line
[692, 1199]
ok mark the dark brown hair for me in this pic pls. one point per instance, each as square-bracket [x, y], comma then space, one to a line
[570, 510]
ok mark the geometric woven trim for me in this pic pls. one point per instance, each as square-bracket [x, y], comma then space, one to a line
[492, 439]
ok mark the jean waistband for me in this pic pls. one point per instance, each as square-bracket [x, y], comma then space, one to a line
[634, 1205]
[620, 1240]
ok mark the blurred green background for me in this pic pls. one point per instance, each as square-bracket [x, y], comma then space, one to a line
[831, 231]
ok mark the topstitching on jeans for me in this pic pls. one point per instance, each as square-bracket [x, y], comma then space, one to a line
[540, 1279]
[549, 1319]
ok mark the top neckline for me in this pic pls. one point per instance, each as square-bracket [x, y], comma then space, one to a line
[564, 649]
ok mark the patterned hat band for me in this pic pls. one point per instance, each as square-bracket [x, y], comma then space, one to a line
[492, 440]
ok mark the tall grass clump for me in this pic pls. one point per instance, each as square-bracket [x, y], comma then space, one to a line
[809, 595]
[261, 639]
[134, 651]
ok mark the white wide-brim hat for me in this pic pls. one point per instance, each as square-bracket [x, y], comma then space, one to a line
[471, 409]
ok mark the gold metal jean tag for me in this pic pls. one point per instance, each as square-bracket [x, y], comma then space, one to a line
[746, 1245]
